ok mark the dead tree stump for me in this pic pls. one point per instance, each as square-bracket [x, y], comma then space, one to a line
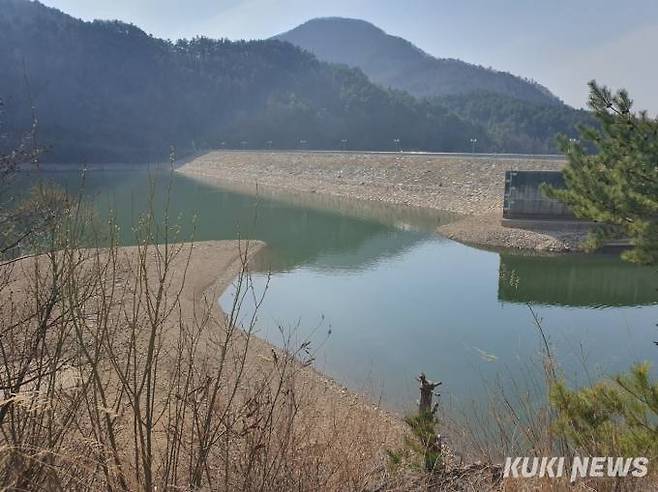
[427, 388]
[433, 442]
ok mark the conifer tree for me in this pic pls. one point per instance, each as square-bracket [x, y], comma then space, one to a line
[616, 185]
[617, 417]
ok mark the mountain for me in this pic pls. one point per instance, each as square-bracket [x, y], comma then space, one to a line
[107, 91]
[395, 62]
[517, 115]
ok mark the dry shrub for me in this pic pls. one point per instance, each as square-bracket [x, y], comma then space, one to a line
[118, 371]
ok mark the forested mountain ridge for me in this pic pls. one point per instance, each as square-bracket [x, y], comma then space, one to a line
[517, 114]
[395, 62]
[107, 91]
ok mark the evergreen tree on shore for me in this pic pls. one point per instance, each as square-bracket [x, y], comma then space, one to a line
[617, 185]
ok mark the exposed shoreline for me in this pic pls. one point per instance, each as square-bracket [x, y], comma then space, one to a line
[327, 415]
[212, 269]
[469, 186]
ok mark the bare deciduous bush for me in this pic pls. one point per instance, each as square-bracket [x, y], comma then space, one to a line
[118, 372]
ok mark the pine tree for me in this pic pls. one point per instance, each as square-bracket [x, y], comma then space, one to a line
[617, 185]
[617, 417]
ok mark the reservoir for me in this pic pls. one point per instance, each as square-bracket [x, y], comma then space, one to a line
[382, 297]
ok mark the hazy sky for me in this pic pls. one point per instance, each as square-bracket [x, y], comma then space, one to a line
[560, 43]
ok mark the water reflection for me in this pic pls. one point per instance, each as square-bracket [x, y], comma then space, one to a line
[325, 232]
[577, 281]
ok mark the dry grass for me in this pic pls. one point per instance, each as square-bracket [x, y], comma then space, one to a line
[118, 371]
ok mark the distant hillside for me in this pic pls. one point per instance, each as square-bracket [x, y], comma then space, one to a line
[518, 115]
[106, 91]
[395, 62]
[514, 125]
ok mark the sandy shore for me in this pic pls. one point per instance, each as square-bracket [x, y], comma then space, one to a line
[212, 269]
[348, 432]
[472, 187]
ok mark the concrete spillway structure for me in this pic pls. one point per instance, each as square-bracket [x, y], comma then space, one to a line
[526, 206]
[525, 200]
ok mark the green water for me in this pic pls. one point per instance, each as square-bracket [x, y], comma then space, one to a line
[382, 297]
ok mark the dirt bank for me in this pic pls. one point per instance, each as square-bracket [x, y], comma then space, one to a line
[213, 267]
[162, 302]
[472, 186]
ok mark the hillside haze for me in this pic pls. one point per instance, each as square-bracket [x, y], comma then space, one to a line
[518, 115]
[105, 91]
[395, 62]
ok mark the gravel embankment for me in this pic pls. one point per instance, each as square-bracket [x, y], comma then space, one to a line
[471, 186]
